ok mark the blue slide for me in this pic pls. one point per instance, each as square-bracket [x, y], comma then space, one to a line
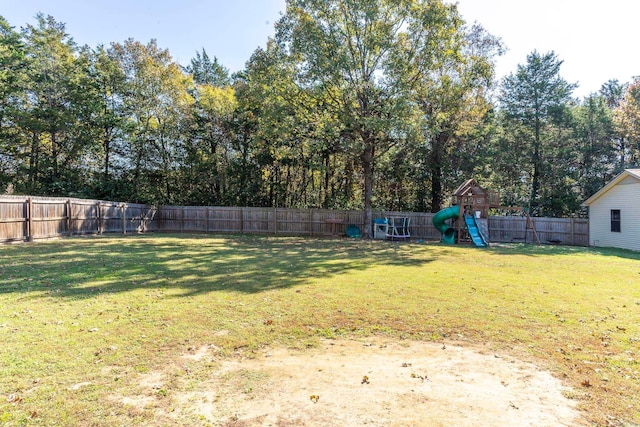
[475, 234]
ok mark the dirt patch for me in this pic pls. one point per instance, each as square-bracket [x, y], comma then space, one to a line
[378, 383]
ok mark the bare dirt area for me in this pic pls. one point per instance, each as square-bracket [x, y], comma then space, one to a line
[374, 383]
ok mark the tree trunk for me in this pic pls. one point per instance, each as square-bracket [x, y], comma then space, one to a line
[535, 182]
[435, 168]
[54, 155]
[623, 159]
[436, 188]
[325, 192]
[107, 154]
[165, 169]
[367, 169]
[34, 158]
[213, 147]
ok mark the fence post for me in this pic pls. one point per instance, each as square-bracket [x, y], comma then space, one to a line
[100, 219]
[588, 237]
[97, 206]
[571, 230]
[124, 219]
[275, 220]
[68, 203]
[30, 219]
[148, 216]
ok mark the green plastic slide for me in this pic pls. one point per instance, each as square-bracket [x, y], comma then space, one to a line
[448, 233]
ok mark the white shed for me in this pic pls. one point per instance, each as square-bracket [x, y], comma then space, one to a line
[614, 212]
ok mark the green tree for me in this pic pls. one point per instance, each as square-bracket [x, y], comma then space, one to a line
[259, 89]
[204, 71]
[108, 121]
[12, 77]
[207, 144]
[597, 143]
[627, 122]
[613, 92]
[534, 102]
[297, 140]
[157, 104]
[365, 55]
[454, 108]
[54, 109]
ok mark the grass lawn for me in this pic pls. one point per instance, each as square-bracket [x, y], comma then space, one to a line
[81, 318]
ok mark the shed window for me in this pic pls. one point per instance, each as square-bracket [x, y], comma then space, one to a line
[615, 220]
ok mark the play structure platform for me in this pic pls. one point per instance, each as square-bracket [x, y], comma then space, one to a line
[449, 234]
[467, 220]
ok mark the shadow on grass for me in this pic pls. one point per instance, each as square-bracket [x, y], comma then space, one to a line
[547, 250]
[195, 264]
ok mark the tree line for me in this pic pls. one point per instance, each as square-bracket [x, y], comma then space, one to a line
[363, 104]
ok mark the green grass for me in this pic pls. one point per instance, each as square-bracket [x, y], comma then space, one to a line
[80, 319]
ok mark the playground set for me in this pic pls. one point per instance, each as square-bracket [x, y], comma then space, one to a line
[469, 212]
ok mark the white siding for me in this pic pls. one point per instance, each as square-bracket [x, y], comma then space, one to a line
[624, 196]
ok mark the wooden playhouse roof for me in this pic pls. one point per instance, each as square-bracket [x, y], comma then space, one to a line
[470, 186]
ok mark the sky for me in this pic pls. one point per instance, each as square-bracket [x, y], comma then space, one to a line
[597, 40]
[231, 30]
[594, 38]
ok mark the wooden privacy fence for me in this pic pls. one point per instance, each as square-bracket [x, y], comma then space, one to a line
[30, 218]
[565, 231]
[314, 222]
[502, 229]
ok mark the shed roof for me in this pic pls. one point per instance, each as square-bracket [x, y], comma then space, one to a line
[634, 173]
